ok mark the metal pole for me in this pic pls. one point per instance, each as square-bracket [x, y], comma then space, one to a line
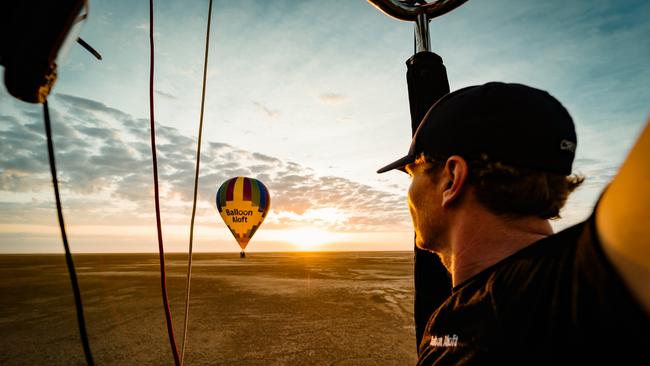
[422, 40]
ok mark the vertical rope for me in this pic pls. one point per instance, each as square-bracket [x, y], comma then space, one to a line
[163, 275]
[196, 186]
[68, 257]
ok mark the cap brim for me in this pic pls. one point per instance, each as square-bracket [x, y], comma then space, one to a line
[398, 164]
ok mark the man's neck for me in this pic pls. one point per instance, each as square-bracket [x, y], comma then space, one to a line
[480, 239]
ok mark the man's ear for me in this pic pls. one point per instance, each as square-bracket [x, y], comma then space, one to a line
[455, 175]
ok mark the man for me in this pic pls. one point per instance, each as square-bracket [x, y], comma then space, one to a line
[490, 165]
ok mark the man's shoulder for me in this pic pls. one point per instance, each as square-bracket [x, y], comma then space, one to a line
[520, 287]
[556, 296]
[553, 255]
[559, 243]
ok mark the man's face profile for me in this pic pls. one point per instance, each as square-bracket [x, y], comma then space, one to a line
[425, 204]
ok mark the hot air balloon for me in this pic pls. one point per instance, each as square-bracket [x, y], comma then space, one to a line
[243, 203]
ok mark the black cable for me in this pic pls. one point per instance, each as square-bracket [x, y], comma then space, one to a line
[68, 257]
[161, 251]
[89, 48]
[196, 187]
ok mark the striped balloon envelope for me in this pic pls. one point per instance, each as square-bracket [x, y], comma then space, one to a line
[243, 203]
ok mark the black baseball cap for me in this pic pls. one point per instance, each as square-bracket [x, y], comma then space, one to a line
[512, 123]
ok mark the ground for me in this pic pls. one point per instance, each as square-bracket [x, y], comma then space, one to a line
[266, 309]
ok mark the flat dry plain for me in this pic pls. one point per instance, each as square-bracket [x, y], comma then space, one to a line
[267, 309]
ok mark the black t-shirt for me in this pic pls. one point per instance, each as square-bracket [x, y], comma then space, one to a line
[558, 301]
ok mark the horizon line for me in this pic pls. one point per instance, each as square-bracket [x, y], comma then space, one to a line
[202, 252]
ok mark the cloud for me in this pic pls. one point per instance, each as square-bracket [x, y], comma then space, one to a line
[266, 158]
[267, 111]
[166, 95]
[81, 105]
[332, 98]
[104, 164]
[344, 120]
[144, 28]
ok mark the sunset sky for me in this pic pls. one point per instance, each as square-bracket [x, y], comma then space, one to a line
[310, 98]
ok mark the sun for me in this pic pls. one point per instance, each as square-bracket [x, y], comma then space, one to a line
[308, 239]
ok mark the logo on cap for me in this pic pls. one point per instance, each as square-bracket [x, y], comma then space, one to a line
[567, 145]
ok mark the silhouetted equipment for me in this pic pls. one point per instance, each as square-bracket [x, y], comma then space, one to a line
[427, 82]
[34, 36]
